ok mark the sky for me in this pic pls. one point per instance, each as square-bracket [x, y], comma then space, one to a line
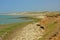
[29, 5]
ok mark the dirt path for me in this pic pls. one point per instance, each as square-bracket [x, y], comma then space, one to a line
[29, 32]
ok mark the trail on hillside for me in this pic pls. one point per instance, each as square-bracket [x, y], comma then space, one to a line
[29, 32]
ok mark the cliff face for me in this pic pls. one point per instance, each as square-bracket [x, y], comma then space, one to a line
[52, 26]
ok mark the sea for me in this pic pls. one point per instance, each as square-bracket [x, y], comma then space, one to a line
[6, 19]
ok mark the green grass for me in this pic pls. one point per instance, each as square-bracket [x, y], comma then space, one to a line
[9, 27]
[12, 27]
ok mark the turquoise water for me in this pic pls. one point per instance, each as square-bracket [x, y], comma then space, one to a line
[5, 19]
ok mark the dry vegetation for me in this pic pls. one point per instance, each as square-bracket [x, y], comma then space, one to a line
[52, 25]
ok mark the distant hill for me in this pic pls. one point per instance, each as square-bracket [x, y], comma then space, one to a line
[31, 13]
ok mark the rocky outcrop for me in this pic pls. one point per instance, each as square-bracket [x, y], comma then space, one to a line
[29, 32]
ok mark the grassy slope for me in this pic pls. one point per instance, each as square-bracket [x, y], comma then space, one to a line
[9, 27]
